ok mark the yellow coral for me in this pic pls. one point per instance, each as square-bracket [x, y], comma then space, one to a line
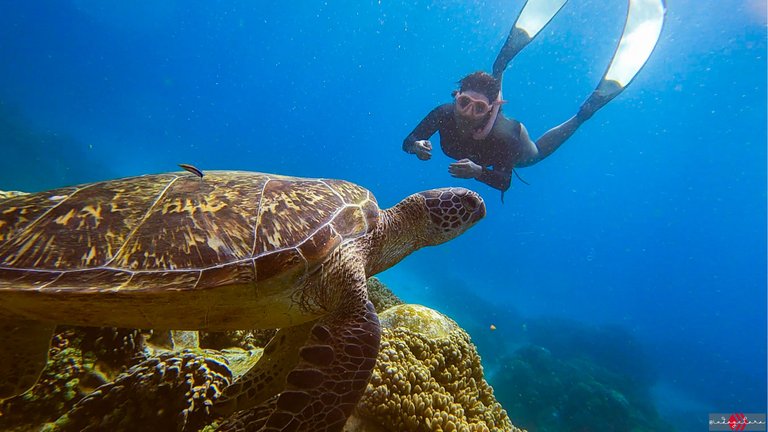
[11, 194]
[380, 295]
[428, 377]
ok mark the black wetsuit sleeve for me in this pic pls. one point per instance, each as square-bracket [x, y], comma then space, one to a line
[497, 178]
[427, 127]
[500, 176]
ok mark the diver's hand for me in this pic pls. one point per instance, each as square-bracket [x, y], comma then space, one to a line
[422, 149]
[465, 168]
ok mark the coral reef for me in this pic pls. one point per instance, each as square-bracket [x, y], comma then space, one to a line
[115, 346]
[381, 296]
[172, 391]
[10, 194]
[572, 396]
[245, 339]
[428, 377]
[79, 360]
[612, 347]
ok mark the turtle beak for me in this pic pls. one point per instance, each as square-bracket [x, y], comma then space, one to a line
[474, 203]
[452, 211]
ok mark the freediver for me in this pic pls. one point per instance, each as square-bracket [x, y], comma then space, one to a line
[486, 144]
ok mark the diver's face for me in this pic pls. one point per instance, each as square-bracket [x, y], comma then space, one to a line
[471, 106]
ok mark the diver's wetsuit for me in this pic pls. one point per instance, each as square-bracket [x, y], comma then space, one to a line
[501, 149]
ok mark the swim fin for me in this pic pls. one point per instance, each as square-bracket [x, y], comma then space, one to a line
[532, 18]
[642, 28]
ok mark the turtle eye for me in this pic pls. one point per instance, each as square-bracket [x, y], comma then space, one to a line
[470, 203]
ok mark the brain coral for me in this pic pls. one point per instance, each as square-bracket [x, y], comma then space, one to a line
[428, 377]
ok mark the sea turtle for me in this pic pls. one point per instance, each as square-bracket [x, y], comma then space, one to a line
[230, 250]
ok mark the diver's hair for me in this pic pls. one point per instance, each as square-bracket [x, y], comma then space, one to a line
[481, 82]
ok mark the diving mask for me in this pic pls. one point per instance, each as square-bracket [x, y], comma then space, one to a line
[473, 107]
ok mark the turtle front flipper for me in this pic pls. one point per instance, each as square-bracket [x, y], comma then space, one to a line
[23, 354]
[267, 377]
[252, 419]
[329, 379]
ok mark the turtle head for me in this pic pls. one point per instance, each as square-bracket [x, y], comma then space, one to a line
[423, 219]
[450, 212]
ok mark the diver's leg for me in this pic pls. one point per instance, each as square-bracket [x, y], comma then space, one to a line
[642, 29]
[552, 140]
[555, 137]
[641, 32]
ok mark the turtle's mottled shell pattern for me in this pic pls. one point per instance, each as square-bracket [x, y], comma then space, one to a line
[176, 231]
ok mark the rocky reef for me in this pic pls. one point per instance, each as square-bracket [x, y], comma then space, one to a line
[573, 395]
[428, 377]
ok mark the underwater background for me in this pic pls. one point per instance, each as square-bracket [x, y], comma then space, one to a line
[634, 264]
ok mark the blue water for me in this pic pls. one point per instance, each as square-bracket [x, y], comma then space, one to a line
[649, 222]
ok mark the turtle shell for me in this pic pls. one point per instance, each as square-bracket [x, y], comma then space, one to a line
[176, 231]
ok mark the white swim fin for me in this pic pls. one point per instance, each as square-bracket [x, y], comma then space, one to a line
[642, 28]
[532, 18]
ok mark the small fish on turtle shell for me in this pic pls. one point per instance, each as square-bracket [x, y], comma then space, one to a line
[241, 250]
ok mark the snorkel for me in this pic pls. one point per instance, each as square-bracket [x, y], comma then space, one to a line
[483, 133]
